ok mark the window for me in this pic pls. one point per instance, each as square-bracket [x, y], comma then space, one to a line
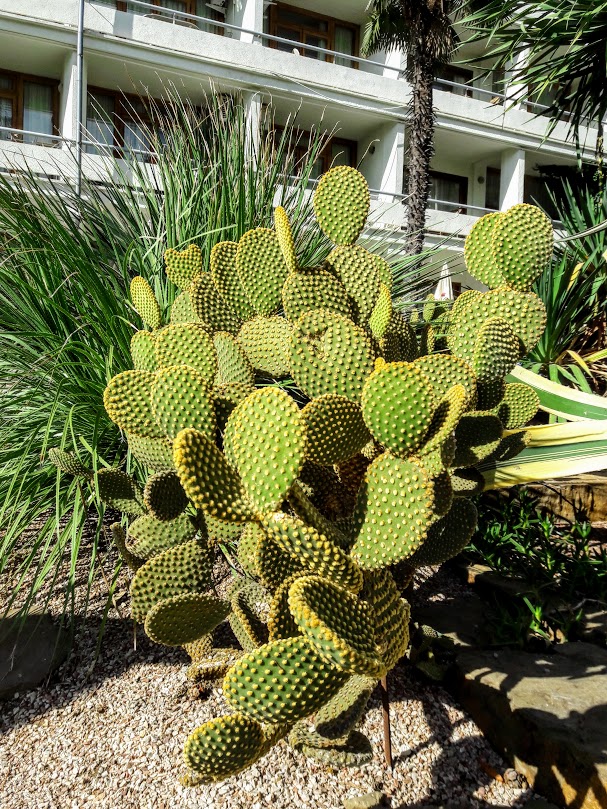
[450, 192]
[308, 28]
[119, 123]
[29, 103]
[200, 8]
[492, 188]
[536, 193]
[457, 75]
[336, 152]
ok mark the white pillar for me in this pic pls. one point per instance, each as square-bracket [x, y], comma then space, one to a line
[515, 92]
[476, 191]
[68, 105]
[383, 164]
[512, 179]
[247, 14]
[393, 63]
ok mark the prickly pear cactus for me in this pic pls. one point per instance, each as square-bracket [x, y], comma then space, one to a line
[295, 415]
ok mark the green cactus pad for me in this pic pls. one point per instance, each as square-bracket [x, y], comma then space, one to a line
[148, 536]
[392, 513]
[182, 310]
[464, 303]
[221, 531]
[442, 493]
[355, 751]
[445, 371]
[184, 618]
[267, 343]
[281, 623]
[518, 406]
[496, 350]
[312, 289]
[268, 467]
[340, 626]
[208, 479]
[330, 354]
[223, 747]
[449, 536]
[509, 447]
[307, 511]
[69, 463]
[183, 569]
[182, 266]
[119, 538]
[341, 204]
[392, 615]
[233, 366]
[522, 245]
[445, 418]
[187, 344]
[127, 400]
[335, 429]
[210, 308]
[273, 564]
[399, 343]
[143, 352]
[120, 491]
[249, 630]
[313, 550]
[212, 666]
[225, 278]
[305, 681]
[477, 435]
[201, 648]
[398, 403]
[478, 251]
[181, 397]
[262, 269]
[490, 394]
[247, 548]
[225, 398]
[340, 715]
[145, 303]
[383, 268]
[382, 313]
[467, 482]
[284, 235]
[427, 340]
[155, 453]
[164, 496]
[356, 269]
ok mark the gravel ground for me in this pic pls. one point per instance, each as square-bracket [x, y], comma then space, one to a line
[110, 737]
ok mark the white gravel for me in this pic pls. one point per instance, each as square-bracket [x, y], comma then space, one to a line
[111, 738]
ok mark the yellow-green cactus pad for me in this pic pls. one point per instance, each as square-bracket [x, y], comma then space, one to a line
[182, 310]
[181, 397]
[118, 535]
[184, 618]
[281, 623]
[183, 569]
[127, 400]
[496, 350]
[225, 398]
[69, 463]
[392, 514]
[464, 303]
[341, 204]
[221, 531]
[340, 626]
[330, 354]
[449, 536]
[148, 536]
[284, 235]
[267, 343]
[145, 303]
[208, 479]
[223, 747]
[398, 403]
[268, 445]
[164, 496]
[382, 313]
[478, 251]
[262, 269]
[399, 343]
[442, 493]
[247, 548]
[246, 625]
[201, 648]
[155, 453]
[477, 435]
[143, 352]
[490, 394]
[522, 244]
[282, 681]
[313, 550]
[518, 406]
[307, 511]
[273, 564]
[211, 666]
[509, 447]
[383, 268]
[467, 482]
[392, 614]
[445, 371]
[445, 418]
[187, 344]
[335, 429]
[311, 289]
[210, 308]
[182, 266]
[356, 269]
[355, 751]
[233, 365]
[120, 491]
[225, 277]
[343, 712]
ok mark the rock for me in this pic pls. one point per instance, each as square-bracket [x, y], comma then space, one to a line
[29, 651]
[462, 619]
[594, 627]
[540, 803]
[546, 713]
[582, 496]
[369, 801]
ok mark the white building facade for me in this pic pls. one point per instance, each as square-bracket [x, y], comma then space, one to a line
[489, 148]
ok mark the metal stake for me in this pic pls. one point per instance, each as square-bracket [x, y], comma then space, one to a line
[385, 704]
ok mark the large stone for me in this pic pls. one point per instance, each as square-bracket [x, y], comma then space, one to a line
[582, 497]
[30, 650]
[462, 619]
[372, 800]
[546, 714]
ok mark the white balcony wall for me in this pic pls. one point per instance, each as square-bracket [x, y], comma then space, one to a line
[382, 164]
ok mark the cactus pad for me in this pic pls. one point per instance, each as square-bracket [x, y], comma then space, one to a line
[356, 269]
[182, 310]
[281, 623]
[478, 251]
[119, 538]
[449, 536]
[187, 344]
[210, 308]
[382, 313]
[335, 429]
[182, 266]
[143, 352]
[341, 204]
[284, 235]
[398, 343]
[184, 618]
[225, 278]
[445, 371]
[355, 751]
[233, 366]
[522, 245]
[155, 453]
[392, 614]
[496, 350]
[267, 343]
[148, 536]
[164, 496]
[262, 269]
[467, 482]
[145, 302]
[69, 463]
[223, 747]
[312, 289]
[477, 435]
[127, 400]
[120, 491]
[181, 397]
[518, 406]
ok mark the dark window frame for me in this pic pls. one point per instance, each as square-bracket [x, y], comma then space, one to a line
[123, 113]
[301, 146]
[274, 23]
[462, 182]
[465, 73]
[17, 96]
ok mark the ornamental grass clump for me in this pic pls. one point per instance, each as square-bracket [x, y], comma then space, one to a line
[291, 413]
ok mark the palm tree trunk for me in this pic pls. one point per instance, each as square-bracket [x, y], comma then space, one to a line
[421, 147]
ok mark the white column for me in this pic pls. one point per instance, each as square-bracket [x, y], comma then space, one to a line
[68, 106]
[383, 163]
[512, 179]
[476, 191]
[247, 14]
[393, 63]
[515, 92]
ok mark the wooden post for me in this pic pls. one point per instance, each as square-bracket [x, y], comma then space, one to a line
[385, 703]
